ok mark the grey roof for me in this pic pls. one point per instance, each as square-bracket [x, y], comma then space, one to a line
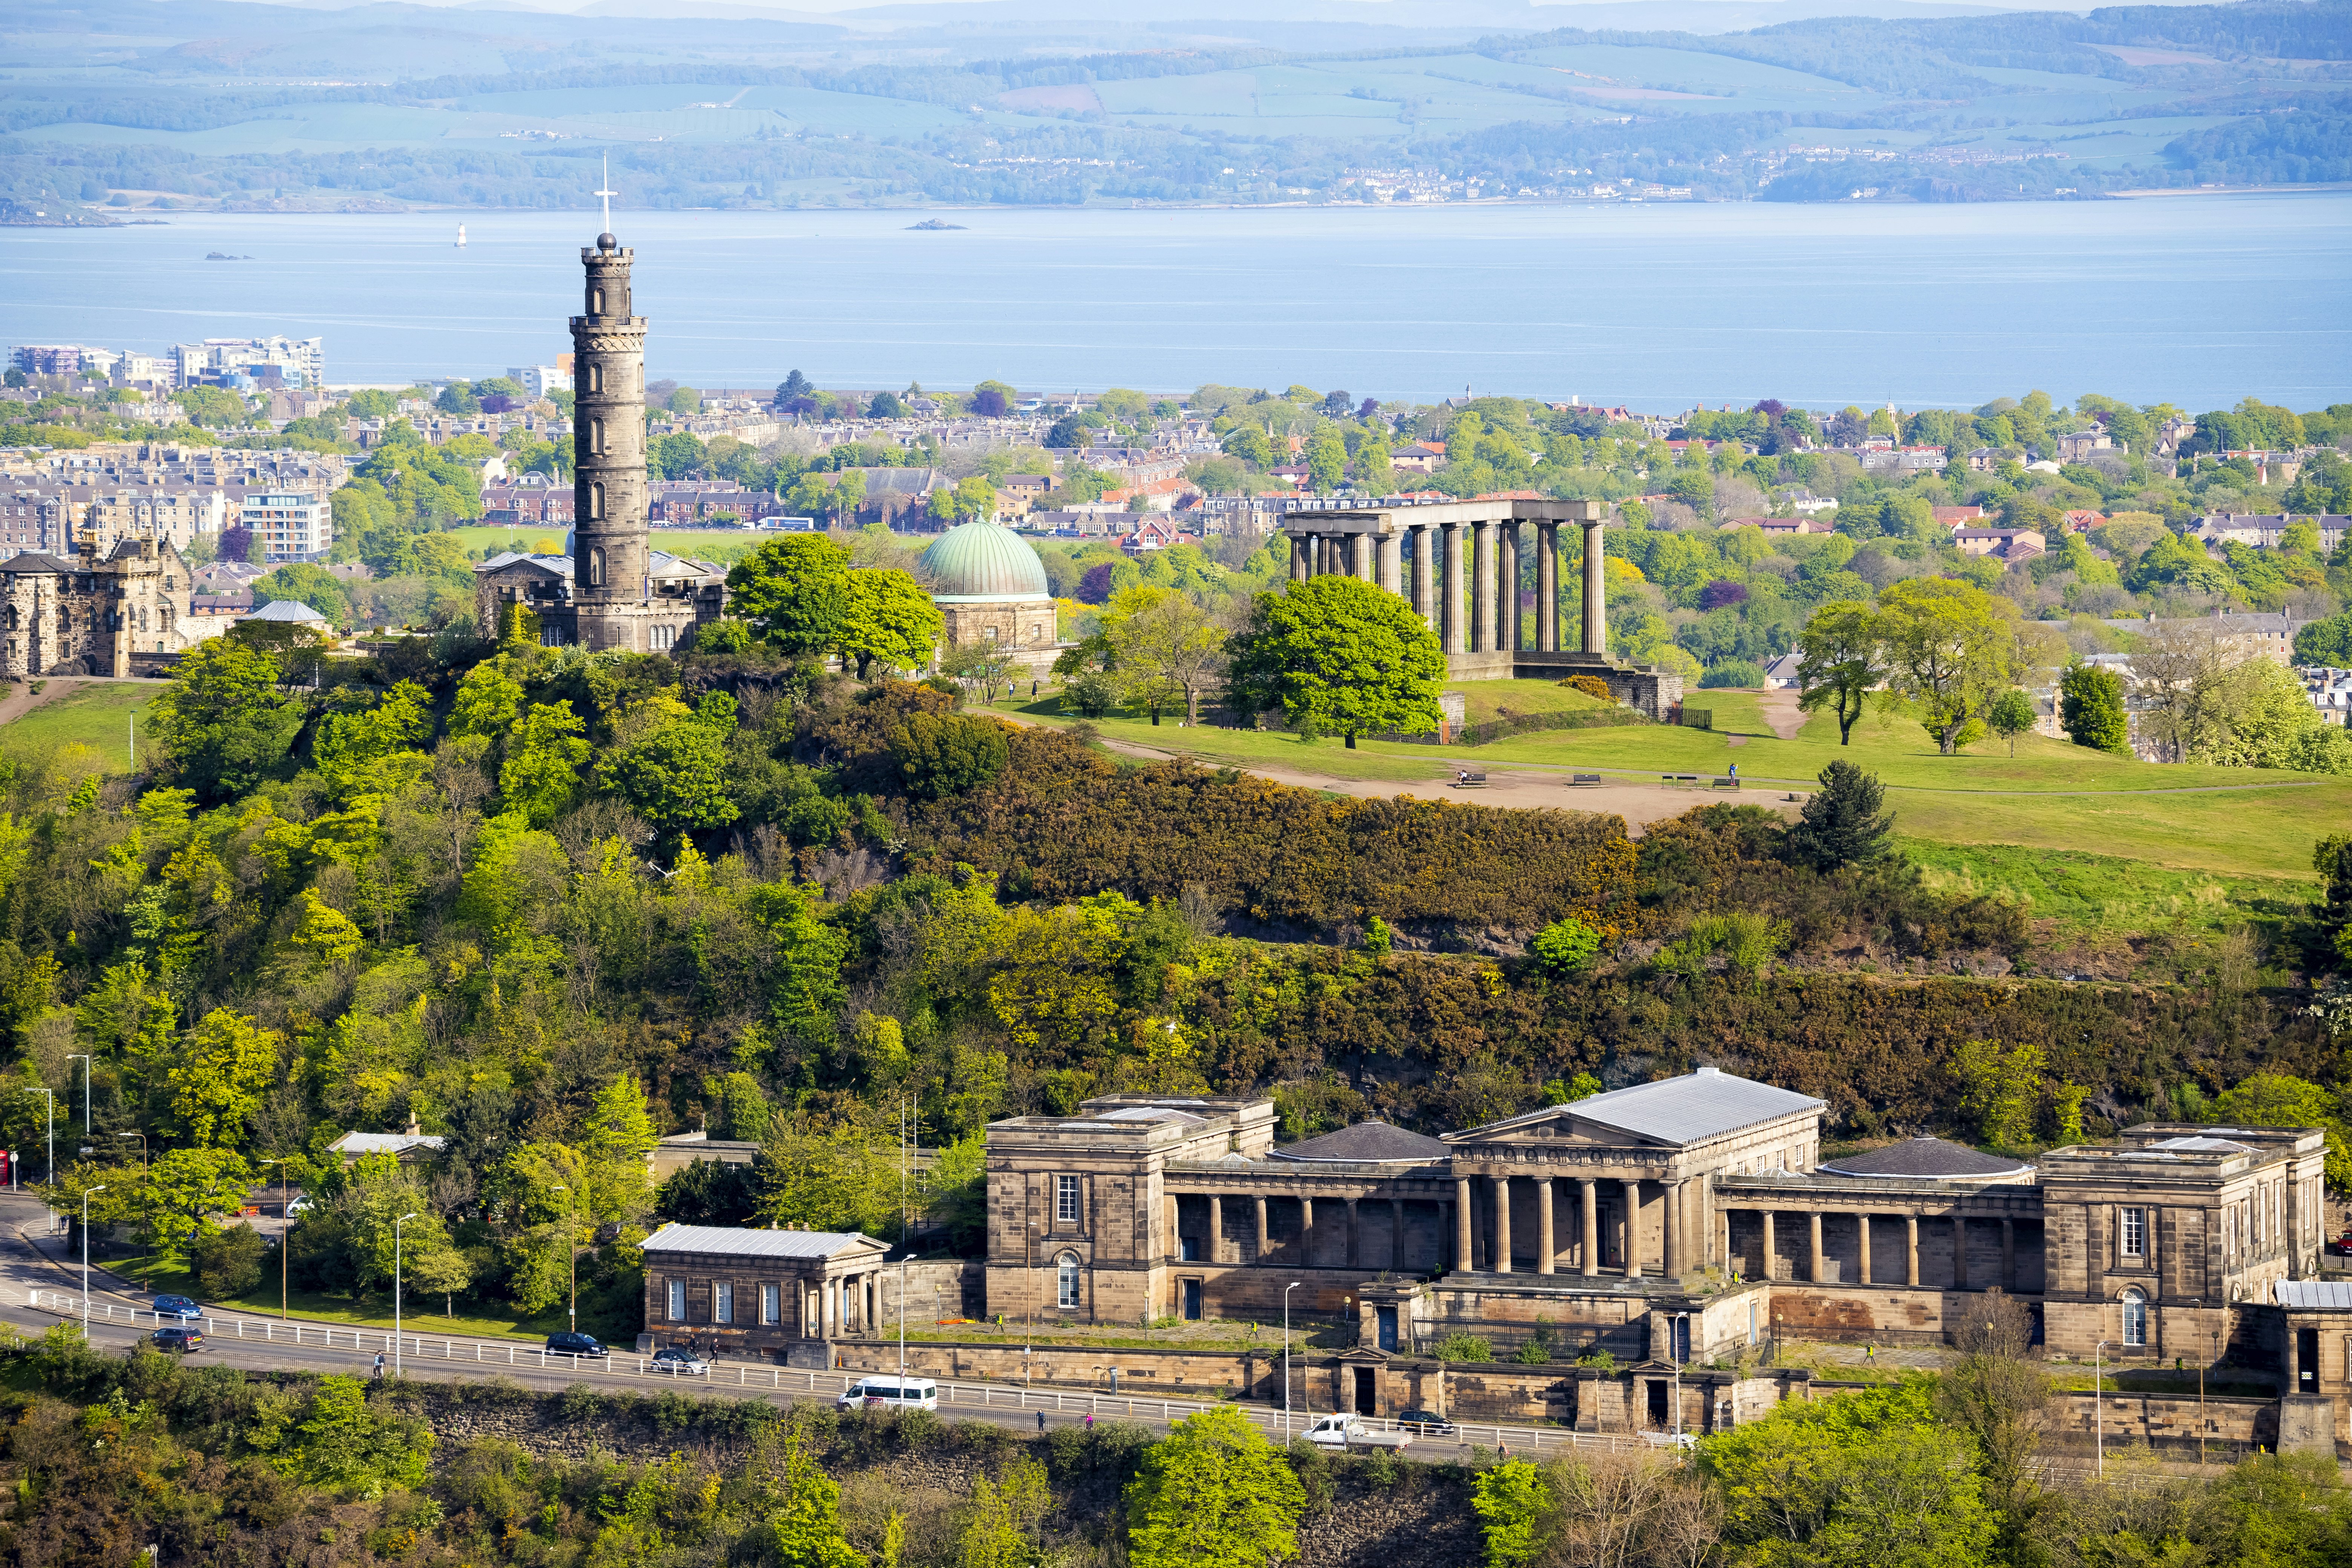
[1677, 1111]
[1368, 1144]
[2330, 1294]
[34, 561]
[2203, 1145]
[737, 1242]
[1926, 1158]
[1152, 1113]
[285, 610]
[385, 1142]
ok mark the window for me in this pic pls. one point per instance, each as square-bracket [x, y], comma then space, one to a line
[595, 500]
[596, 560]
[595, 378]
[722, 1302]
[677, 1301]
[2134, 1318]
[772, 1303]
[1065, 1279]
[596, 437]
[2134, 1232]
[595, 301]
[1065, 1200]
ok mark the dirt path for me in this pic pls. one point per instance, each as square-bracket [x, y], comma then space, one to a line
[1780, 711]
[22, 699]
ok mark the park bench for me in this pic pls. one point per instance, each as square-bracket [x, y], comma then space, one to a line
[1675, 781]
[1588, 780]
[1467, 780]
[1726, 784]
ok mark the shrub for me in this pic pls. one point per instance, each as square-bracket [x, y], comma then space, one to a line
[1736, 672]
[1591, 684]
[1464, 1347]
[939, 756]
[1093, 694]
[1567, 946]
[227, 1262]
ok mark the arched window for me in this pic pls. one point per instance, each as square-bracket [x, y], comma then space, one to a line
[595, 301]
[2134, 1318]
[596, 567]
[596, 500]
[596, 437]
[595, 378]
[1065, 1281]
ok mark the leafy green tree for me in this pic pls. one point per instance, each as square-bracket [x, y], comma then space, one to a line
[2091, 709]
[1995, 1393]
[1248, 443]
[303, 583]
[1944, 647]
[338, 1439]
[1326, 460]
[1212, 1494]
[1838, 662]
[937, 756]
[677, 777]
[218, 1078]
[2280, 1099]
[887, 619]
[1373, 469]
[1999, 1090]
[1512, 1502]
[545, 751]
[801, 1509]
[222, 724]
[2012, 713]
[616, 1138]
[1165, 648]
[1567, 946]
[375, 752]
[1842, 823]
[1341, 657]
[184, 1188]
[227, 1263]
[796, 589]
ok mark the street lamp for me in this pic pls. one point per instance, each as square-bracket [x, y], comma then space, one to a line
[285, 1234]
[52, 1096]
[396, 1223]
[902, 1313]
[2099, 1405]
[1676, 1347]
[571, 1248]
[147, 1272]
[1287, 1289]
[85, 1259]
[83, 1058]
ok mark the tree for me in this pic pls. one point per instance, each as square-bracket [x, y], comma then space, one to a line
[2012, 713]
[1995, 1394]
[227, 1263]
[1945, 649]
[342, 1441]
[222, 725]
[218, 1078]
[940, 755]
[2278, 1099]
[2091, 709]
[1068, 432]
[677, 777]
[1163, 647]
[886, 618]
[793, 388]
[1842, 823]
[993, 399]
[1837, 663]
[1567, 946]
[1999, 1090]
[1339, 656]
[184, 1188]
[796, 589]
[2190, 684]
[1212, 1494]
[2332, 857]
[1372, 466]
[2271, 715]
[802, 1513]
[545, 750]
[1326, 460]
[1512, 1502]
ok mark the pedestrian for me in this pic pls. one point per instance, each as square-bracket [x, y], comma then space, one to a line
[379, 1365]
[1869, 1354]
[1734, 773]
[1041, 1424]
[1090, 1420]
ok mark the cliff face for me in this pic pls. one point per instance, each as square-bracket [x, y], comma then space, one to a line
[1362, 1512]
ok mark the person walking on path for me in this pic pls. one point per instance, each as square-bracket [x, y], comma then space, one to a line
[1041, 1424]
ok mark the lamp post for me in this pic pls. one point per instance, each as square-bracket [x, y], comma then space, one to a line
[571, 1248]
[85, 1259]
[285, 1234]
[82, 1057]
[147, 1273]
[1675, 1346]
[396, 1223]
[52, 1097]
[2099, 1405]
[1287, 1289]
[904, 1260]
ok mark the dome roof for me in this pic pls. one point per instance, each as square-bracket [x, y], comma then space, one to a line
[984, 561]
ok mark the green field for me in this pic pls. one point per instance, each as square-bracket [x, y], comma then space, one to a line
[98, 715]
[722, 545]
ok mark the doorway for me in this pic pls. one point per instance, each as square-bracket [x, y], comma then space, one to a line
[2306, 1361]
[1388, 1327]
[1192, 1300]
[1657, 1405]
[1366, 1383]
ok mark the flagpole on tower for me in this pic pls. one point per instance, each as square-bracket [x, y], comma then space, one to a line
[607, 193]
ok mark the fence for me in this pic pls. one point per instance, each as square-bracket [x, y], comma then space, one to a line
[430, 1348]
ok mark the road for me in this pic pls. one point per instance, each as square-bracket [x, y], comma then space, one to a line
[29, 1271]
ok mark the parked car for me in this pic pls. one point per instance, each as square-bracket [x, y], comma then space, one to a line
[178, 1307]
[1425, 1422]
[178, 1338]
[574, 1344]
[299, 1206]
[1346, 1431]
[678, 1362]
[891, 1393]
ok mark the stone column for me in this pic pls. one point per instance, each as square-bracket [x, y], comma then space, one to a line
[1482, 591]
[1501, 1224]
[1462, 1224]
[1548, 587]
[2009, 1255]
[1959, 1252]
[1861, 1234]
[1596, 600]
[1543, 1224]
[1425, 576]
[1589, 1246]
[1301, 567]
[1265, 1241]
[1396, 1234]
[1452, 626]
[1911, 1251]
[1353, 1261]
[1768, 1244]
[1633, 1229]
[1817, 1266]
[1391, 553]
[1670, 1231]
[1359, 556]
[1507, 587]
[1306, 1231]
[1216, 1229]
[825, 1319]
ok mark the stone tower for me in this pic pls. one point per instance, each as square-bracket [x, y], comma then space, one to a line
[609, 563]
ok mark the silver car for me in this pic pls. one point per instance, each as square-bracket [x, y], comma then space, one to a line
[678, 1362]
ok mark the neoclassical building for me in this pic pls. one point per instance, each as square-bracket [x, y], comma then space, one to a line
[1682, 1218]
[990, 587]
[121, 613]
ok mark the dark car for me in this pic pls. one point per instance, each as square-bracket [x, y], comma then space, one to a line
[574, 1344]
[1424, 1422]
[178, 1338]
[678, 1362]
[178, 1307]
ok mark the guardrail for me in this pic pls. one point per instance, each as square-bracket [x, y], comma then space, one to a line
[459, 1352]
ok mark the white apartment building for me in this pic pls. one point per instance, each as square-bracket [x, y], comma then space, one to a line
[539, 380]
[291, 526]
[298, 362]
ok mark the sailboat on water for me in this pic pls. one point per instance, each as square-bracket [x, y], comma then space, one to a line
[461, 236]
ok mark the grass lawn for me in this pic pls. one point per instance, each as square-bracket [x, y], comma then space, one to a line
[1482, 701]
[724, 545]
[419, 1313]
[96, 715]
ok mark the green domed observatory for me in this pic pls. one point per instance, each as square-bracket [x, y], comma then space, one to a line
[990, 587]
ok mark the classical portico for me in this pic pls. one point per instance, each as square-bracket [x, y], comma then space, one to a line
[1458, 563]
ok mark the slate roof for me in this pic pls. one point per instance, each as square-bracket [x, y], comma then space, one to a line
[2335, 1294]
[733, 1241]
[34, 561]
[293, 610]
[1367, 1144]
[1924, 1158]
[385, 1142]
[1677, 1111]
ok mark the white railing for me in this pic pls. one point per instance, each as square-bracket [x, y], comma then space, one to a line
[805, 1381]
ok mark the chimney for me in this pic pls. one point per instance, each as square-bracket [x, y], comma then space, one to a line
[413, 1130]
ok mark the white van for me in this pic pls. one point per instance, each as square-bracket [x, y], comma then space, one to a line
[891, 1393]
